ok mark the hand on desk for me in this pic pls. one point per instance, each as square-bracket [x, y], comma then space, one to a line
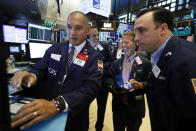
[23, 78]
[34, 112]
[135, 85]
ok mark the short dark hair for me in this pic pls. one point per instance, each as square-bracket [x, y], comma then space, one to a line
[160, 16]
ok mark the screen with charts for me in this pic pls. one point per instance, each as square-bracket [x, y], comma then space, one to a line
[39, 33]
[14, 34]
[37, 50]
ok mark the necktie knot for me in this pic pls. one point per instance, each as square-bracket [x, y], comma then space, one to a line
[72, 49]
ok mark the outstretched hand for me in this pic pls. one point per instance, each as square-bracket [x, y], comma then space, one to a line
[34, 112]
[22, 78]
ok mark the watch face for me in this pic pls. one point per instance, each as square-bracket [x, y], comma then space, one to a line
[61, 103]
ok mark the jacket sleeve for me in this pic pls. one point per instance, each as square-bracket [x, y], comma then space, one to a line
[41, 67]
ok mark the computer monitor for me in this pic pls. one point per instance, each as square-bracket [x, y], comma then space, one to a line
[37, 50]
[39, 33]
[63, 34]
[122, 28]
[14, 34]
[15, 49]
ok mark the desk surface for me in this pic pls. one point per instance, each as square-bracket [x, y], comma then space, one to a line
[18, 68]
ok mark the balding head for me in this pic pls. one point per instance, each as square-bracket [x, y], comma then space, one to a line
[79, 15]
[77, 27]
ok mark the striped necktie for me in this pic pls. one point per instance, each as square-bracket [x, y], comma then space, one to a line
[126, 73]
[70, 57]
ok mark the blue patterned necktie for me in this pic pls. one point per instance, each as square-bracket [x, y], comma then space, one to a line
[70, 57]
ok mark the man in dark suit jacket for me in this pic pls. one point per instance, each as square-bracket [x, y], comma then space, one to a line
[127, 105]
[104, 64]
[118, 52]
[71, 87]
[171, 91]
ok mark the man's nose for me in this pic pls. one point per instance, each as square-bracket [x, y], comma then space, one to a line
[136, 38]
[73, 31]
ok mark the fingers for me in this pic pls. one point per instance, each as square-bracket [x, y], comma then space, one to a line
[32, 122]
[22, 78]
[34, 112]
[132, 90]
[135, 84]
[31, 81]
[100, 66]
[26, 113]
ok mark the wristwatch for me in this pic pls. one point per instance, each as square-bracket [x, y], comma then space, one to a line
[61, 103]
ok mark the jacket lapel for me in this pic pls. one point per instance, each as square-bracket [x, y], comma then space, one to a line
[64, 54]
[167, 53]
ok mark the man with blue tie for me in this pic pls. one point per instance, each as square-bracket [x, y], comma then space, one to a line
[72, 79]
[104, 64]
[127, 105]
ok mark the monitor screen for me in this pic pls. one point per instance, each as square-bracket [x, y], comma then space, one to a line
[15, 49]
[122, 28]
[39, 33]
[37, 50]
[63, 34]
[14, 34]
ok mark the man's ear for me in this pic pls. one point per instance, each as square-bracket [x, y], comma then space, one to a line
[164, 28]
[88, 29]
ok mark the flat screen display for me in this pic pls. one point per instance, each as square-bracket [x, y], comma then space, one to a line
[37, 50]
[39, 33]
[63, 34]
[14, 49]
[122, 28]
[14, 34]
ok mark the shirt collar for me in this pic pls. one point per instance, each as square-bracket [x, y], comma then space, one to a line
[131, 57]
[156, 55]
[96, 47]
[79, 47]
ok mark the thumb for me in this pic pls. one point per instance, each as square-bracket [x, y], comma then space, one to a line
[31, 81]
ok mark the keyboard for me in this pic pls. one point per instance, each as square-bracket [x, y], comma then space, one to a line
[23, 63]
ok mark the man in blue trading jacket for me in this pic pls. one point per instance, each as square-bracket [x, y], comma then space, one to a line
[171, 91]
[104, 63]
[128, 106]
[73, 83]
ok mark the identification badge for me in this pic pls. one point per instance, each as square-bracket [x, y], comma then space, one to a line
[81, 59]
[156, 71]
[56, 57]
[100, 47]
[138, 60]
[119, 54]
